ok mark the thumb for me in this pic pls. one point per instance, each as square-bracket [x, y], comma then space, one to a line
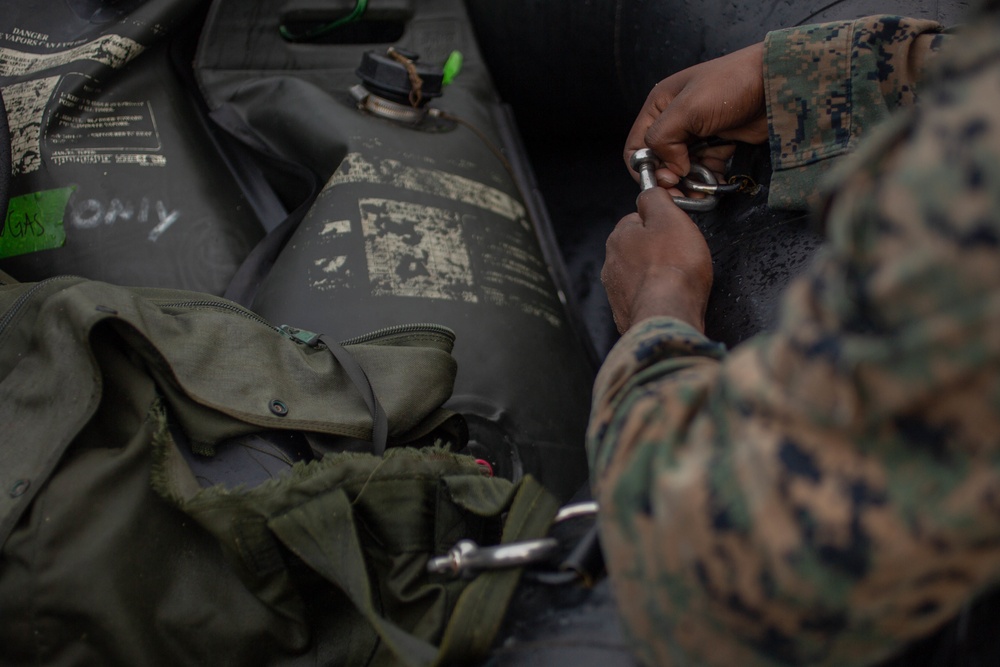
[668, 137]
[656, 206]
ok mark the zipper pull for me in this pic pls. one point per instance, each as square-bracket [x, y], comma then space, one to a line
[301, 335]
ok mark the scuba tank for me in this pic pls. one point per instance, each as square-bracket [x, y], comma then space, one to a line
[426, 212]
[113, 174]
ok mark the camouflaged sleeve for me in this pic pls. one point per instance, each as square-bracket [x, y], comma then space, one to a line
[828, 492]
[828, 84]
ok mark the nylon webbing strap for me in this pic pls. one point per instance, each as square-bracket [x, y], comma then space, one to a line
[481, 607]
[323, 534]
[244, 285]
[380, 424]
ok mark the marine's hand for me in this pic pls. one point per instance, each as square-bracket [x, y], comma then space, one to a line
[657, 263]
[722, 97]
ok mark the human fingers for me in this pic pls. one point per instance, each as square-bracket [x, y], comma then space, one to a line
[716, 158]
[722, 97]
[656, 209]
[657, 263]
[670, 134]
[672, 237]
[657, 102]
[665, 178]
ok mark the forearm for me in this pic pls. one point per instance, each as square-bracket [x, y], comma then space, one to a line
[827, 85]
[691, 471]
[786, 503]
[650, 352]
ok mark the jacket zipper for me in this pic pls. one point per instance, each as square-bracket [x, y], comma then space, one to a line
[298, 335]
[23, 299]
[225, 305]
[398, 329]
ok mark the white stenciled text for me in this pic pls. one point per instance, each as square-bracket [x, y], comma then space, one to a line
[92, 213]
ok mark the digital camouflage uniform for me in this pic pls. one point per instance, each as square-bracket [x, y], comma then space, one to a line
[827, 492]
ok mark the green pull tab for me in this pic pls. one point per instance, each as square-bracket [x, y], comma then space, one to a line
[452, 67]
[34, 222]
[301, 335]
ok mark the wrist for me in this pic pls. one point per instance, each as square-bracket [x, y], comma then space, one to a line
[672, 292]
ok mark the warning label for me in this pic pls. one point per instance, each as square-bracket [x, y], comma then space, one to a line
[64, 113]
[91, 125]
[111, 50]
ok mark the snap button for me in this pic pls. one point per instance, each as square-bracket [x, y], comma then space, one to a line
[279, 408]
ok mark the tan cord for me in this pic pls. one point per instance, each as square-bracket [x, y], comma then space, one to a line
[416, 83]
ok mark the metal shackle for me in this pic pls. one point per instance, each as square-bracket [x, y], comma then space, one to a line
[645, 162]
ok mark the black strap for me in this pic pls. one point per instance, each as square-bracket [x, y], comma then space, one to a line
[380, 424]
[243, 287]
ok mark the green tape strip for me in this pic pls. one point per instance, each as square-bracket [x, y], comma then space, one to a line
[452, 67]
[34, 222]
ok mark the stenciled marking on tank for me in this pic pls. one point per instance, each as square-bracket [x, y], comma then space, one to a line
[477, 247]
[336, 227]
[334, 271]
[355, 168]
[335, 265]
[25, 104]
[415, 250]
[93, 213]
[111, 50]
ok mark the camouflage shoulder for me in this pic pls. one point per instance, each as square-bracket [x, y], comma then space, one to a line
[828, 84]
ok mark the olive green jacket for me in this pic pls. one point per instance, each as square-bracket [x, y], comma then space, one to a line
[114, 554]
